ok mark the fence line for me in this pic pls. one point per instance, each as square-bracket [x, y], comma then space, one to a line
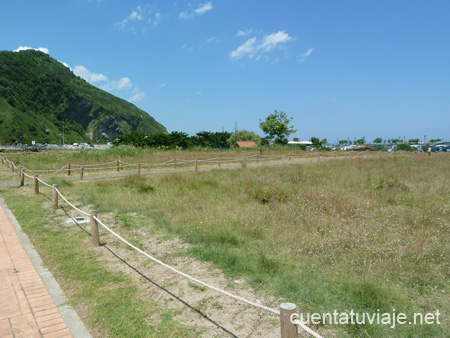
[175, 162]
[226, 293]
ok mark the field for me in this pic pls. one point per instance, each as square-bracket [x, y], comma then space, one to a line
[363, 234]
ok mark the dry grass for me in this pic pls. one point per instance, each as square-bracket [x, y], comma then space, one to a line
[361, 233]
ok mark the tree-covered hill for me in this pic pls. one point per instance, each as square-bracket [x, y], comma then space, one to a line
[38, 93]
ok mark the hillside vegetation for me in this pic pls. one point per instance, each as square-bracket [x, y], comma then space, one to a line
[38, 93]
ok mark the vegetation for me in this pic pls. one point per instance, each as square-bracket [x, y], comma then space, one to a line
[335, 235]
[175, 140]
[404, 147]
[38, 93]
[108, 300]
[243, 135]
[276, 127]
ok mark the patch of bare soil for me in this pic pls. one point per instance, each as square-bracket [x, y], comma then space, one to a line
[208, 312]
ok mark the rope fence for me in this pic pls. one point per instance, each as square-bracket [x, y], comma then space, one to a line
[221, 162]
[287, 326]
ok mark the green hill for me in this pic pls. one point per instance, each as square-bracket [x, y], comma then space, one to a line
[38, 93]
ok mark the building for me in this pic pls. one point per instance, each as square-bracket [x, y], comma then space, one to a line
[245, 144]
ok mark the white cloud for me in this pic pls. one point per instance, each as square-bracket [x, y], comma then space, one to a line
[135, 15]
[202, 9]
[246, 49]
[122, 84]
[252, 48]
[162, 85]
[244, 33]
[211, 39]
[40, 49]
[303, 56]
[138, 96]
[271, 41]
[187, 47]
[65, 64]
[90, 77]
[147, 15]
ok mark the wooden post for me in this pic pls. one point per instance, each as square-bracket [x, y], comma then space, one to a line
[139, 168]
[288, 329]
[94, 229]
[117, 165]
[55, 197]
[289, 157]
[12, 166]
[81, 172]
[68, 169]
[175, 163]
[219, 162]
[282, 159]
[318, 157]
[3, 160]
[7, 163]
[36, 185]
[257, 158]
[22, 177]
[196, 164]
[244, 162]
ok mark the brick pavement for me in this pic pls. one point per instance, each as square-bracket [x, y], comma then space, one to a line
[26, 308]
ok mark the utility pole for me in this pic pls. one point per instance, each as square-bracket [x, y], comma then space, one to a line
[63, 133]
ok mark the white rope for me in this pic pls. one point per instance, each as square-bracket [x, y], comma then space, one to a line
[48, 185]
[275, 311]
[28, 175]
[99, 168]
[48, 170]
[65, 199]
[307, 329]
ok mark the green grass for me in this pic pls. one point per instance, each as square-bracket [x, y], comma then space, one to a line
[361, 234]
[113, 301]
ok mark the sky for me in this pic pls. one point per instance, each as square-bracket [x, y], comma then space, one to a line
[341, 69]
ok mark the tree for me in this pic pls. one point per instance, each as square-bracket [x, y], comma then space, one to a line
[378, 140]
[343, 142]
[414, 140]
[243, 135]
[315, 142]
[276, 126]
[434, 140]
[361, 141]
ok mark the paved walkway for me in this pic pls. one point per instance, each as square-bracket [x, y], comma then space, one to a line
[26, 307]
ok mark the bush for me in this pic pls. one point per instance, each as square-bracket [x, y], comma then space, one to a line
[404, 147]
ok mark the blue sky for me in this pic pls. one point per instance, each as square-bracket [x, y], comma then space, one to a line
[340, 68]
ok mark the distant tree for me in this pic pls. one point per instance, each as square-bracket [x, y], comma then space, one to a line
[396, 140]
[315, 142]
[404, 147]
[414, 140]
[243, 135]
[276, 126]
[361, 141]
[343, 142]
[378, 140]
[324, 141]
[434, 140]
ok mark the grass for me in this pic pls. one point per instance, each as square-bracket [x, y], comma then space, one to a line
[361, 234]
[91, 285]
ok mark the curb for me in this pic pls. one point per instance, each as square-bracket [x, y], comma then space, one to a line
[73, 321]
